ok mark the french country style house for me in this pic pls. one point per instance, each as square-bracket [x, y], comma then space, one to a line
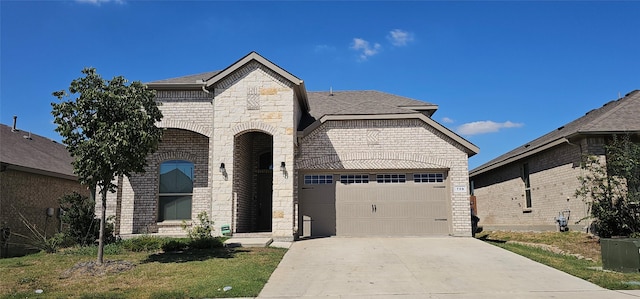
[254, 149]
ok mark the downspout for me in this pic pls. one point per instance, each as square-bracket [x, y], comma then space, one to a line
[211, 163]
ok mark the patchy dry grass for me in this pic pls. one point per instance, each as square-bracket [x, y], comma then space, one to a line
[188, 274]
[572, 252]
[576, 243]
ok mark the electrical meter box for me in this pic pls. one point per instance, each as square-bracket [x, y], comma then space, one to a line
[621, 255]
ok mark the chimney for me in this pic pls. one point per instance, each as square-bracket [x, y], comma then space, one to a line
[15, 120]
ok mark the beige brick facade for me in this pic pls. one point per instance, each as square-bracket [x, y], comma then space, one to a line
[401, 144]
[553, 176]
[247, 121]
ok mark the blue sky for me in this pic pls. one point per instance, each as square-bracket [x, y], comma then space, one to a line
[502, 73]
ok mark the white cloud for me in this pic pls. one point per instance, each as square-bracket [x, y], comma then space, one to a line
[400, 38]
[487, 126]
[447, 120]
[367, 50]
[98, 2]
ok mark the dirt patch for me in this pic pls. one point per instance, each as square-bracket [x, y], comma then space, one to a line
[92, 268]
[553, 249]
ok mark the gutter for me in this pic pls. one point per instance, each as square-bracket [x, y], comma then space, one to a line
[523, 155]
[7, 166]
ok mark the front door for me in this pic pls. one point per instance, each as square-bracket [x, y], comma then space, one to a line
[264, 191]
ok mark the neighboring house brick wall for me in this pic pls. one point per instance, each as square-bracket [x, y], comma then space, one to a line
[553, 176]
[31, 194]
[390, 144]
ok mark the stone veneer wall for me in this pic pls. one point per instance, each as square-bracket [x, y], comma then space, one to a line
[254, 98]
[553, 177]
[31, 194]
[139, 193]
[390, 144]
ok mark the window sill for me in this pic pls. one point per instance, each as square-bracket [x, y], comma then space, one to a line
[527, 210]
[172, 223]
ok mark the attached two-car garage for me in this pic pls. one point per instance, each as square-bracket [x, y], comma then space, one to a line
[406, 203]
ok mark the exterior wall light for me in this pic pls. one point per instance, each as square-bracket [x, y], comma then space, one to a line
[223, 170]
[283, 168]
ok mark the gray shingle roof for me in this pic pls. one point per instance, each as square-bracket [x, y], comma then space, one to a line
[195, 78]
[362, 102]
[350, 102]
[38, 153]
[618, 116]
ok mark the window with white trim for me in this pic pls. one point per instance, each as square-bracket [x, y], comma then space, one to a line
[318, 179]
[175, 190]
[391, 178]
[428, 177]
[354, 178]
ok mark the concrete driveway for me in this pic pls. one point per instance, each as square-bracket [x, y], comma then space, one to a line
[444, 267]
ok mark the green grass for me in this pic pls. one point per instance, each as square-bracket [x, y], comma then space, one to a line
[195, 273]
[571, 243]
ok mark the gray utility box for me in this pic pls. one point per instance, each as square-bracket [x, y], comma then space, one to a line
[622, 255]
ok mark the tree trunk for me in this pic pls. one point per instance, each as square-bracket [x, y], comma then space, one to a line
[103, 221]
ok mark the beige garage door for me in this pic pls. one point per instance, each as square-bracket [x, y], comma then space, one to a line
[381, 204]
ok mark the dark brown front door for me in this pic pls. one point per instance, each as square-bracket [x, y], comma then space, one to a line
[264, 196]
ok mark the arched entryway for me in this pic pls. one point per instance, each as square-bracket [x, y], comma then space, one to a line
[253, 181]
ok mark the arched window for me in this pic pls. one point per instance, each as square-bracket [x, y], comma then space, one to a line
[176, 189]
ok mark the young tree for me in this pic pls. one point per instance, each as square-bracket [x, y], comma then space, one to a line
[612, 188]
[109, 129]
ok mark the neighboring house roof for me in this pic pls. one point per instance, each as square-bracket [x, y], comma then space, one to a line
[24, 151]
[615, 117]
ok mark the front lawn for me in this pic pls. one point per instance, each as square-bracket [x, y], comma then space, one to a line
[193, 273]
[572, 252]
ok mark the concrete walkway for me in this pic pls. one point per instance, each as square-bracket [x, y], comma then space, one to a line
[445, 267]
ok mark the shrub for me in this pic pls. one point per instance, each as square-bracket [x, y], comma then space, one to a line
[144, 243]
[109, 249]
[82, 225]
[174, 245]
[612, 189]
[205, 243]
[200, 230]
[37, 238]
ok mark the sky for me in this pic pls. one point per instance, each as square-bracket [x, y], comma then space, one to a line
[502, 73]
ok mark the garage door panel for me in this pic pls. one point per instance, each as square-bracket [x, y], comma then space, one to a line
[383, 209]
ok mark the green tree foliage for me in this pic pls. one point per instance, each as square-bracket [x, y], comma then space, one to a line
[612, 189]
[109, 129]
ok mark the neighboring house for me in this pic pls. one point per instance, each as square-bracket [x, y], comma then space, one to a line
[34, 173]
[256, 151]
[530, 186]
